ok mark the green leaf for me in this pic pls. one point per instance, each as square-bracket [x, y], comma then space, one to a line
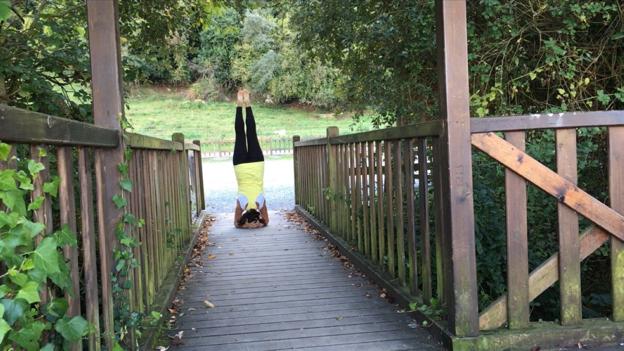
[46, 256]
[4, 327]
[62, 278]
[36, 204]
[65, 237]
[7, 180]
[30, 292]
[32, 229]
[5, 12]
[126, 184]
[28, 264]
[118, 347]
[5, 149]
[119, 201]
[72, 329]
[48, 347]
[123, 168]
[9, 220]
[14, 201]
[617, 36]
[24, 180]
[13, 309]
[35, 167]
[52, 186]
[18, 277]
[129, 218]
[29, 335]
[602, 97]
[3, 291]
[56, 308]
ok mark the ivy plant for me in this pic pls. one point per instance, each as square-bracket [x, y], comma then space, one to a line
[33, 265]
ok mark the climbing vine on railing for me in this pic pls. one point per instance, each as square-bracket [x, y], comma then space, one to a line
[32, 265]
[127, 319]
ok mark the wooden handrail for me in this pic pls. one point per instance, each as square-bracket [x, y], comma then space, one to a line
[192, 147]
[547, 121]
[22, 126]
[139, 141]
[417, 130]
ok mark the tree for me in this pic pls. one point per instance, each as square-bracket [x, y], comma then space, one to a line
[525, 56]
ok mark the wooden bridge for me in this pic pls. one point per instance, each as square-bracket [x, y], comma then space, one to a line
[397, 202]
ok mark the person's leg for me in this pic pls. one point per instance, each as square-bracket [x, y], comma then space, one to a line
[240, 147]
[254, 151]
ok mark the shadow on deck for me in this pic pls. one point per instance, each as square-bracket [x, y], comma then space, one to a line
[281, 288]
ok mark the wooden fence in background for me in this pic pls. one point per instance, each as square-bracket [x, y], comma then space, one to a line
[224, 148]
[380, 197]
[167, 192]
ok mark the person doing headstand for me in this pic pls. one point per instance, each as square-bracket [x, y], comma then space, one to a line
[251, 210]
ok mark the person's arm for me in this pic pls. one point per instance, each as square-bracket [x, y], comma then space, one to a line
[238, 213]
[265, 213]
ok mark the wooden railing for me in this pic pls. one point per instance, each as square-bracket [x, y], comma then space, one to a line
[379, 197]
[362, 187]
[166, 192]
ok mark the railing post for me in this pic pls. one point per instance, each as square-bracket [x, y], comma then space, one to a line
[616, 199]
[333, 177]
[457, 204]
[297, 183]
[106, 85]
[184, 178]
[201, 203]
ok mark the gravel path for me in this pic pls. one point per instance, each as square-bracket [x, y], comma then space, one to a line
[220, 184]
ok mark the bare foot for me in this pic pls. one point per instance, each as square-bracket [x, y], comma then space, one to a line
[240, 100]
[246, 98]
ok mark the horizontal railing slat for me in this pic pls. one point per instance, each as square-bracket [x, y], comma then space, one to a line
[138, 141]
[22, 126]
[547, 121]
[193, 147]
[482, 125]
[423, 129]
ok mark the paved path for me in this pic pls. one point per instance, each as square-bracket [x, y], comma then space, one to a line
[279, 288]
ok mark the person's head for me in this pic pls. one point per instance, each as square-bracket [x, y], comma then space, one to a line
[251, 216]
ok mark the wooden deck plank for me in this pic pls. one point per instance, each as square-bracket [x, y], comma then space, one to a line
[281, 288]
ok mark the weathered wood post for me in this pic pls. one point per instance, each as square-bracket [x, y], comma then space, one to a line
[184, 187]
[616, 199]
[297, 184]
[332, 167]
[201, 203]
[457, 204]
[106, 84]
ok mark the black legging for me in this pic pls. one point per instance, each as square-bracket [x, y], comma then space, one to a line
[246, 149]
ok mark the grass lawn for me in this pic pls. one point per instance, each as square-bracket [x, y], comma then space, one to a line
[160, 112]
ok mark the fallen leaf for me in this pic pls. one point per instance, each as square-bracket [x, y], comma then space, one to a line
[208, 304]
[177, 339]
[212, 257]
